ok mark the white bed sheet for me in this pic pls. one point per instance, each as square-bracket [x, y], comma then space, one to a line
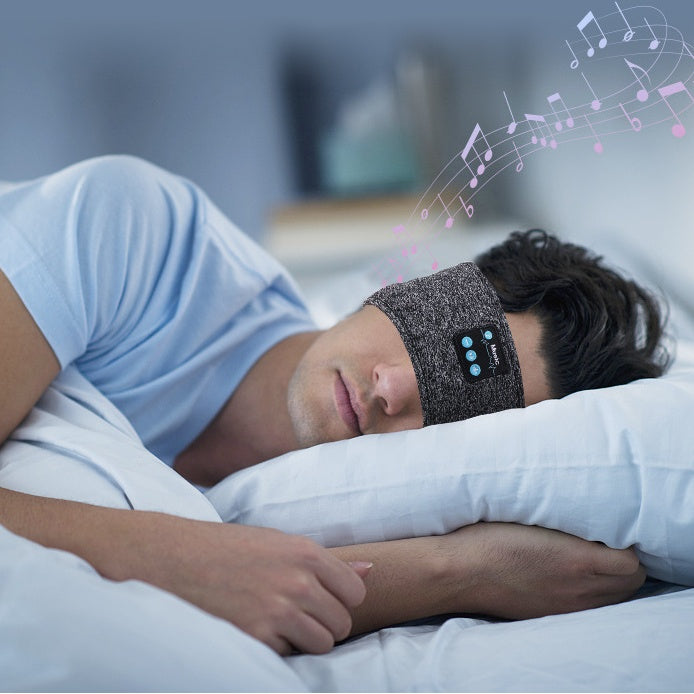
[642, 645]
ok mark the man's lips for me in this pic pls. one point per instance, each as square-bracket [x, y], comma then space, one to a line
[344, 405]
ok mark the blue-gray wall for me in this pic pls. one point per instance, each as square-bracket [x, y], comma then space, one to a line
[200, 86]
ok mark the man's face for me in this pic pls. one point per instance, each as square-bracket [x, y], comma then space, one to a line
[356, 378]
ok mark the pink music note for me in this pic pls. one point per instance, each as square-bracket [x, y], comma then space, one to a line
[641, 94]
[654, 43]
[583, 24]
[630, 32]
[469, 209]
[406, 251]
[519, 165]
[569, 121]
[396, 266]
[512, 125]
[595, 104]
[668, 90]
[470, 145]
[574, 63]
[634, 122]
[449, 221]
[541, 122]
[597, 146]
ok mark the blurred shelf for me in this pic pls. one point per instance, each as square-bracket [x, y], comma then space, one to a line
[333, 231]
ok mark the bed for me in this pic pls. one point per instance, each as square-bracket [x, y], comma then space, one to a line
[615, 465]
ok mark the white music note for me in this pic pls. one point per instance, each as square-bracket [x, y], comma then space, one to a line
[519, 165]
[470, 146]
[541, 123]
[469, 209]
[678, 130]
[512, 125]
[574, 63]
[583, 24]
[654, 43]
[634, 122]
[595, 104]
[630, 32]
[641, 94]
[553, 100]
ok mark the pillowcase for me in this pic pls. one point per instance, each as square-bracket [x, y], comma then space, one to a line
[614, 465]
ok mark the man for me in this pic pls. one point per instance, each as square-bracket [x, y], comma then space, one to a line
[201, 340]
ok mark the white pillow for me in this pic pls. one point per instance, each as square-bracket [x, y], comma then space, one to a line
[615, 465]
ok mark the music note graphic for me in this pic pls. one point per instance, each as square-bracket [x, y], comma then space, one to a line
[630, 32]
[583, 24]
[470, 146]
[512, 125]
[553, 100]
[634, 122]
[654, 43]
[597, 146]
[541, 123]
[519, 165]
[641, 94]
[595, 104]
[574, 63]
[678, 130]
[469, 209]
[398, 232]
[449, 221]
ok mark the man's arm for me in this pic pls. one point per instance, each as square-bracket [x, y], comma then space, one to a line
[495, 569]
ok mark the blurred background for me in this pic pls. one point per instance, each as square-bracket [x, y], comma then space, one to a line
[315, 125]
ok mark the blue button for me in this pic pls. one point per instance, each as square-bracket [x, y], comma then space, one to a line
[466, 342]
[488, 335]
[471, 355]
[475, 370]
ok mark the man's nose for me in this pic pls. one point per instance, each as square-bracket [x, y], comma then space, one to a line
[395, 387]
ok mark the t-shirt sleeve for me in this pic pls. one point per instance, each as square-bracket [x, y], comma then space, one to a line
[83, 248]
[135, 276]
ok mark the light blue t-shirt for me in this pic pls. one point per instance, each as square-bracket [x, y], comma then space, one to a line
[133, 275]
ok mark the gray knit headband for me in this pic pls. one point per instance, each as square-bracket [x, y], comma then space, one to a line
[461, 347]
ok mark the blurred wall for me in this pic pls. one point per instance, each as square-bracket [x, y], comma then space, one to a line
[214, 90]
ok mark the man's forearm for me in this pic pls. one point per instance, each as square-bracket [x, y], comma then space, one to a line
[498, 569]
[411, 579]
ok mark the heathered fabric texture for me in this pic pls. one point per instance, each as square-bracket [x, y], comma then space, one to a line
[429, 312]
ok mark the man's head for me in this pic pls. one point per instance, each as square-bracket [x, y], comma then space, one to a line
[598, 328]
[549, 319]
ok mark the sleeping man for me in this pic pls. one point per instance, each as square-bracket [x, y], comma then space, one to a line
[201, 340]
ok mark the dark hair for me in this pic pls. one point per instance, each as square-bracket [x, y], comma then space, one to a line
[598, 328]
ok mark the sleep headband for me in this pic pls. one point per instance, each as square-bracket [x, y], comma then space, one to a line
[459, 342]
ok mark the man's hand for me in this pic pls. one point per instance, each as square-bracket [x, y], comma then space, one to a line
[522, 571]
[282, 589]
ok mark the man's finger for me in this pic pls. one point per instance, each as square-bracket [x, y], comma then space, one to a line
[342, 581]
[307, 634]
